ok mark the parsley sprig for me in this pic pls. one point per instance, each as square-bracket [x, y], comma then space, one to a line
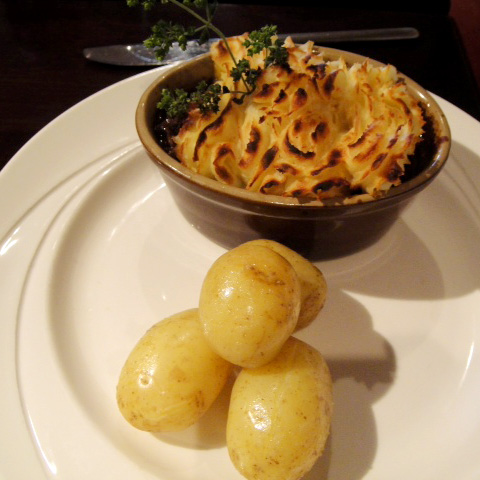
[206, 97]
[176, 103]
[260, 40]
[165, 34]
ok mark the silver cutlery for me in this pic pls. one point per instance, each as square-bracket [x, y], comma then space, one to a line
[139, 55]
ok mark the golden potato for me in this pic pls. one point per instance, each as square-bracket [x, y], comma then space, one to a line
[249, 304]
[171, 377]
[312, 282]
[280, 413]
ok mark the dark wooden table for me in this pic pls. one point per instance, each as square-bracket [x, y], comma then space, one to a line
[43, 72]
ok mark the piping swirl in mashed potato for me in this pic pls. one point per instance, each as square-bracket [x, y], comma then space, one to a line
[317, 129]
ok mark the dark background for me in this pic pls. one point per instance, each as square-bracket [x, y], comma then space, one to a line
[43, 72]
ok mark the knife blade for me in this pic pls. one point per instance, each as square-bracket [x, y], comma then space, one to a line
[139, 55]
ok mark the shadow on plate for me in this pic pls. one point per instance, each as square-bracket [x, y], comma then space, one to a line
[430, 253]
[363, 366]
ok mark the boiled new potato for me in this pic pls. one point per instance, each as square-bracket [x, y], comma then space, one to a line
[279, 415]
[312, 281]
[171, 377]
[249, 304]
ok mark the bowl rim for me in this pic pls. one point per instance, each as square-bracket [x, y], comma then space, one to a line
[181, 172]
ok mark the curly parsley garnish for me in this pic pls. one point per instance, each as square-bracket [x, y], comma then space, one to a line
[206, 97]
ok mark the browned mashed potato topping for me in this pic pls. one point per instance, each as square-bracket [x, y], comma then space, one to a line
[317, 130]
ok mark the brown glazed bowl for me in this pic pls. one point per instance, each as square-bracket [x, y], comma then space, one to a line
[231, 215]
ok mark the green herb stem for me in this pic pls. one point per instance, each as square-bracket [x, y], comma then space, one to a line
[217, 31]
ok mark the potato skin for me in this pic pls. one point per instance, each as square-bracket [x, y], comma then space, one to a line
[171, 377]
[312, 282]
[249, 304]
[280, 414]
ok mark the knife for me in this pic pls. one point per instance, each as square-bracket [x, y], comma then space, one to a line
[139, 55]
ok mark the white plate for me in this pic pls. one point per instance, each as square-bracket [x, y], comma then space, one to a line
[93, 251]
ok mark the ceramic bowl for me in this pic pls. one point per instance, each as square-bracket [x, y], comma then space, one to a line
[231, 215]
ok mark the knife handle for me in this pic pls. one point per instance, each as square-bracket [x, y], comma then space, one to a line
[375, 34]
